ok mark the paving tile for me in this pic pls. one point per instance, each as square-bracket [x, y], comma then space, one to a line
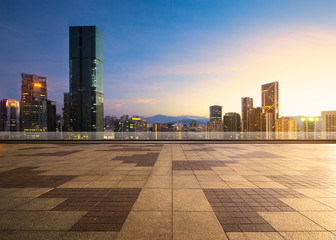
[308, 235]
[185, 182]
[39, 220]
[30, 235]
[197, 225]
[9, 203]
[155, 181]
[154, 200]
[89, 235]
[147, 225]
[190, 200]
[41, 204]
[305, 204]
[325, 219]
[290, 221]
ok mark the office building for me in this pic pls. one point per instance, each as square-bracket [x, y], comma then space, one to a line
[231, 122]
[309, 127]
[270, 105]
[34, 113]
[255, 119]
[286, 128]
[328, 124]
[66, 112]
[216, 123]
[52, 119]
[247, 106]
[9, 115]
[86, 79]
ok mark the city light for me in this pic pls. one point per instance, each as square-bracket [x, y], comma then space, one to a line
[37, 85]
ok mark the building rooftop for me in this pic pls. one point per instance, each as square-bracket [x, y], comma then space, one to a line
[167, 191]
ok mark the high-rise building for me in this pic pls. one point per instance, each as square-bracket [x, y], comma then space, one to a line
[232, 122]
[9, 115]
[66, 112]
[270, 105]
[255, 118]
[216, 113]
[34, 113]
[328, 124]
[216, 123]
[309, 127]
[51, 113]
[86, 79]
[247, 106]
[286, 128]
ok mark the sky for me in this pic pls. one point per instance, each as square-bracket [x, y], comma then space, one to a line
[177, 57]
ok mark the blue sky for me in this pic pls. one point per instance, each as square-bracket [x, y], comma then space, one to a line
[179, 57]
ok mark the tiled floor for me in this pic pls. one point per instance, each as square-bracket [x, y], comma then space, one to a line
[167, 191]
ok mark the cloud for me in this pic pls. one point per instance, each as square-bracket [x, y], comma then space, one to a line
[142, 100]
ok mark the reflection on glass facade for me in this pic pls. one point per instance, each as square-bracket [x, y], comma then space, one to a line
[86, 79]
[247, 106]
[270, 105]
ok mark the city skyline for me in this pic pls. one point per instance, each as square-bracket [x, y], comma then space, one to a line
[163, 66]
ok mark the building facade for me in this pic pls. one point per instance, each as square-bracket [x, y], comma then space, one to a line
[231, 122]
[270, 105]
[328, 124]
[247, 106]
[286, 128]
[86, 79]
[216, 123]
[34, 113]
[9, 115]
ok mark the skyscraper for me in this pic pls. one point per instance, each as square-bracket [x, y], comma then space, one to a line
[9, 115]
[34, 114]
[270, 105]
[247, 106]
[232, 122]
[216, 124]
[255, 118]
[66, 112]
[216, 113]
[86, 79]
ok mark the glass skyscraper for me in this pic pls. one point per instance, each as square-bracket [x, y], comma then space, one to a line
[270, 105]
[86, 79]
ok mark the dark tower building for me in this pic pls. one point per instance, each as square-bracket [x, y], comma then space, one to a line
[34, 114]
[270, 105]
[51, 113]
[9, 115]
[86, 79]
[66, 112]
[232, 122]
[255, 118]
[247, 106]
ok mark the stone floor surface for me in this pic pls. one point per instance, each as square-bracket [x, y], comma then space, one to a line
[168, 191]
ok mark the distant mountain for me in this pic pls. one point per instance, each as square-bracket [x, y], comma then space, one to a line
[184, 119]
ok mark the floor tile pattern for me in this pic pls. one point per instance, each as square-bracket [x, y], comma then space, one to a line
[167, 191]
[143, 160]
[237, 210]
[107, 209]
[58, 154]
[28, 177]
[197, 165]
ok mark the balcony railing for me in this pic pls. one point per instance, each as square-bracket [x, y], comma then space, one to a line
[133, 136]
